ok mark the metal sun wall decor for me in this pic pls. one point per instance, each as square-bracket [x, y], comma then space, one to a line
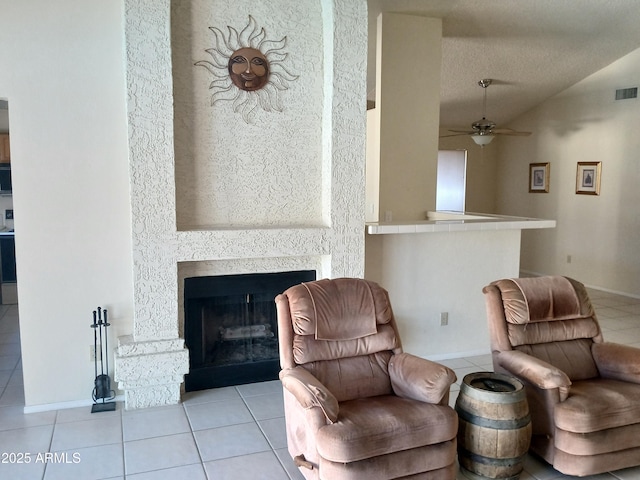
[248, 69]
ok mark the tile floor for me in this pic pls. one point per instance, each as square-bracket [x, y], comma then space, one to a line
[226, 433]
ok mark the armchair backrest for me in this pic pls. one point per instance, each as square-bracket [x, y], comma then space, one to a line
[549, 317]
[342, 331]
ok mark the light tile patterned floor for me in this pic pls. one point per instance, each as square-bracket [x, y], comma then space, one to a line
[226, 433]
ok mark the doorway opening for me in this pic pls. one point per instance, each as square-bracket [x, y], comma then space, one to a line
[8, 278]
[451, 180]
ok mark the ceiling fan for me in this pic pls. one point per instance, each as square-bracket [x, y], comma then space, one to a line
[484, 130]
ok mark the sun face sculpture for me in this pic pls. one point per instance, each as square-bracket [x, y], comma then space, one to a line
[248, 69]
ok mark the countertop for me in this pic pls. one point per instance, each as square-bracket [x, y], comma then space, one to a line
[459, 222]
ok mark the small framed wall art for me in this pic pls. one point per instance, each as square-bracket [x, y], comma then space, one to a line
[588, 178]
[539, 177]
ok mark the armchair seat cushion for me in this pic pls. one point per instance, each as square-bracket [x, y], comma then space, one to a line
[600, 442]
[598, 404]
[369, 427]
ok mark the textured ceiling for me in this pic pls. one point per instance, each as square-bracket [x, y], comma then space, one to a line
[533, 49]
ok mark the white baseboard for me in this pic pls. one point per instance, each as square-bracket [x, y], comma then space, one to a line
[64, 405]
[450, 356]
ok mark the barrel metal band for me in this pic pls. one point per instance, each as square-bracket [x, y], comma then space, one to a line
[495, 462]
[474, 476]
[493, 423]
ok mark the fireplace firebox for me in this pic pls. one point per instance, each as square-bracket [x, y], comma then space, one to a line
[231, 328]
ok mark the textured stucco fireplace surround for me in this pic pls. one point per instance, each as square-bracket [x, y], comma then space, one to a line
[214, 195]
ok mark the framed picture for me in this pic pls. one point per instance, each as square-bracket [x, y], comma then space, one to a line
[588, 178]
[539, 177]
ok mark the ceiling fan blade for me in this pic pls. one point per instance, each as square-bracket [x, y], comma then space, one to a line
[508, 131]
[468, 132]
[459, 134]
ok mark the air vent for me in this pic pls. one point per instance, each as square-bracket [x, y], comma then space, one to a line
[626, 93]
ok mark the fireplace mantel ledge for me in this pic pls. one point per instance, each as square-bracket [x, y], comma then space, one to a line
[459, 222]
[249, 228]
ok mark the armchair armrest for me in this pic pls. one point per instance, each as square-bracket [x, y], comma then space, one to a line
[309, 392]
[616, 361]
[420, 379]
[535, 371]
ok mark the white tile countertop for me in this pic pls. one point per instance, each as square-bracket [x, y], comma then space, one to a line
[459, 222]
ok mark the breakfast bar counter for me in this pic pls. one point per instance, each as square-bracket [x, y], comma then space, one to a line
[434, 271]
[459, 222]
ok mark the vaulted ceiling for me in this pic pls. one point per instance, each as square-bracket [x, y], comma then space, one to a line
[533, 49]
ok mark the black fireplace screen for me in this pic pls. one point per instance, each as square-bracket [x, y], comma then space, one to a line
[239, 329]
[231, 328]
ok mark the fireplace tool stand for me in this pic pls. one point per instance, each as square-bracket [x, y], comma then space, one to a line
[102, 389]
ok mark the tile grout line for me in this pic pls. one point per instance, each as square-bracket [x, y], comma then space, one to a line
[273, 450]
[195, 441]
[53, 431]
[124, 458]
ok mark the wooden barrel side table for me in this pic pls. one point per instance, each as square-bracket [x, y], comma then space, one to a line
[494, 428]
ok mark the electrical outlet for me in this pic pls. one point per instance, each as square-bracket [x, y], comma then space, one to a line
[568, 258]
[444, 319]
[388, 216]
[92, 352]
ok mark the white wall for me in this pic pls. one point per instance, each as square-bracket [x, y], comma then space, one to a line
[582, 124]
[372, 170]
[62, 70]
[430, 273]
[408, 104]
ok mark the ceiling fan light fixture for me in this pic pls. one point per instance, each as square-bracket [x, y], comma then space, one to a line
[483, 131]
[482, 140]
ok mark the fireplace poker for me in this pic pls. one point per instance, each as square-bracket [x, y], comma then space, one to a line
[95, 344]
[106, 340]
[100, 324]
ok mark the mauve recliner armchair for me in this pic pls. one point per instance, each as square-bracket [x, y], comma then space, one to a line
[583, 393]
[356, 406]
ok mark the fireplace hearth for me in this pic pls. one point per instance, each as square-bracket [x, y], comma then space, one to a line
[231, 327]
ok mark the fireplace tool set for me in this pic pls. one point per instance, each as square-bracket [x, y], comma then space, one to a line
[102, 389]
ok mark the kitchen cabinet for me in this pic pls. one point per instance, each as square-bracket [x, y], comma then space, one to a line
[8, 258]
[5, 150]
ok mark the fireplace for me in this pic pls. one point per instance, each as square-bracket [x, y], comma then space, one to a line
[231, 328]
